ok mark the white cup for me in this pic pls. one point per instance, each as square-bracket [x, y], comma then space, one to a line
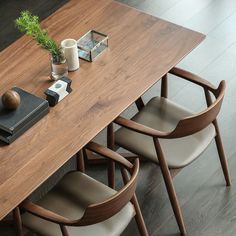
[69, 47]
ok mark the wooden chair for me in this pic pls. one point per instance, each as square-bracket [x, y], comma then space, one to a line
[173, 136]
[80, 205]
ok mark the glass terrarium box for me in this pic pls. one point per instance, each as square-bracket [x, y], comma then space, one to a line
[91, 45]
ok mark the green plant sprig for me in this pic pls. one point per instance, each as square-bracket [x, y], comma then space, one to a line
[29, 24]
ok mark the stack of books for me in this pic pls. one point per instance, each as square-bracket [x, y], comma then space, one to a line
[14, 123]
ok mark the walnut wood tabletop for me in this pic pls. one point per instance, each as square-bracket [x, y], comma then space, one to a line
[142, 48]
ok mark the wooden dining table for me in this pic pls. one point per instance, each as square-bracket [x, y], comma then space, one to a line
[142, 48]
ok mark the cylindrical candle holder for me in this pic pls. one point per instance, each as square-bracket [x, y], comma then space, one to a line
[69, 46]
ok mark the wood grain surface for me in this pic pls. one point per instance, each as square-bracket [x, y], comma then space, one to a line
[142, 48]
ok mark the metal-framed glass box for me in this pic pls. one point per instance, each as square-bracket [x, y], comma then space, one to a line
[91, 45]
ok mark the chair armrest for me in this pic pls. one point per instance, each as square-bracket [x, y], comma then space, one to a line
[132, 125]
[193, 78]
[44, 213]
[108, 153]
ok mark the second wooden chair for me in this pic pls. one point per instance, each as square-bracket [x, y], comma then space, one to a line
[171, 135]
[80, 205]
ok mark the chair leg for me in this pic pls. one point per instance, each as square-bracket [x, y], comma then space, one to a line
[17, 221]
[80, 161]
[164, 86]
[138, 216]
[139, 103]
[111, 164]
[64, 230]
[220, 149]
[170, 187]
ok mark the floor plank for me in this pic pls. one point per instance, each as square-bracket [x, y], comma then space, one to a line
[185, 10]
[226, 31]
[213, 15]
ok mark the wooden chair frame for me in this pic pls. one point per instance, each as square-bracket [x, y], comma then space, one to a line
[186, 126]
[101, 211]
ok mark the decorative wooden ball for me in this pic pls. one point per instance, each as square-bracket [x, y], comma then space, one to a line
[11, 99]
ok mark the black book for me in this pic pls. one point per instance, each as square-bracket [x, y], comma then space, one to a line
[7, 138]
[13, 120]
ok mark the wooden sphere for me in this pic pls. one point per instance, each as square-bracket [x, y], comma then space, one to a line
[11, 99]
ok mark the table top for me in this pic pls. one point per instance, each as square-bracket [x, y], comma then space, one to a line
[142, 48]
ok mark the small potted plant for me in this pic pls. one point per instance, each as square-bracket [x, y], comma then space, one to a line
[29, 24]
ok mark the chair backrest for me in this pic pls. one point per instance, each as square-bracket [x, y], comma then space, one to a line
[195, 123]
[101, 211]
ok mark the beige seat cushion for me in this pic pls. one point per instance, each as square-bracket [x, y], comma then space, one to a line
[163, 115]
[69, 198]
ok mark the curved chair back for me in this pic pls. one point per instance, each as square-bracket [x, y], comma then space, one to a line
[101, 211]
[195, 123]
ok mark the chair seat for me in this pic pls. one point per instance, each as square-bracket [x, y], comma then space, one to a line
[162, 114]
[69, 198]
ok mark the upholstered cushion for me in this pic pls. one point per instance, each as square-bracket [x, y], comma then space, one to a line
[69, 198]
[163, 115]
